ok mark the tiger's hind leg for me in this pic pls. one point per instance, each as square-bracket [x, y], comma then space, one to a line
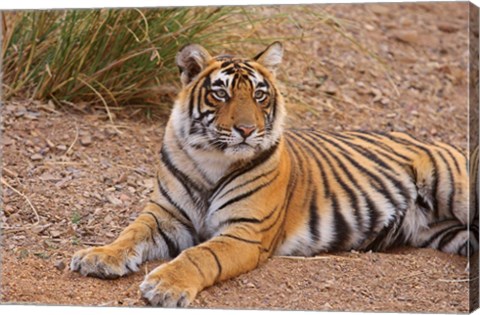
[442, 203]
[449, 236]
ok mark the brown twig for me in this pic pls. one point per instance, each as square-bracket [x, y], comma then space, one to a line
[4, 182]
[74, 141]
[315, 257]
[457, 280]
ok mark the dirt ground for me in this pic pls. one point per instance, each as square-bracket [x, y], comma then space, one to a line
[71, 179]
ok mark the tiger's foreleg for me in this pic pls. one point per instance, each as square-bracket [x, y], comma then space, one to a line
[229, 254]
[156, 233]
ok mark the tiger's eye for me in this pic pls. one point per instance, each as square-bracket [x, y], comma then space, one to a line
[220, 94]
[259, 95]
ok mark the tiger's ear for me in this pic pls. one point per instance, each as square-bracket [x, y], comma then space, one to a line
[271, 57]
[191, 60]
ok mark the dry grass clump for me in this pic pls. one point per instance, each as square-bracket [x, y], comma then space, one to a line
[111, 56]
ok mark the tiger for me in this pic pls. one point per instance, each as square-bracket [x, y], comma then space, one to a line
[234, 187]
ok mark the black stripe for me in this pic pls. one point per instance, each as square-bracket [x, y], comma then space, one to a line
[353, 197]
[173, 249]
[172, 202]
[217, 261]
[314, 217]
[240, 239]
[204, 177]
[451, 192]
[342, 229]
[184, 180]
[369, 154]
[247, 182]
[151, 233]
[247, 194]
[275, 221]
[218, 82]
[129, 268]
[448, 237]
[379, 144]
[432, 238]
[195, 264]
[187, 225]
[320, 167]
[191, 103]
[370, 174]
[408, 143]
[382, 151]
[455, 162]
[246, 220]
[262, 158]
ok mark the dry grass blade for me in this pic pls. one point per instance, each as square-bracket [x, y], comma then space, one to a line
[316, 257]
[4, 182]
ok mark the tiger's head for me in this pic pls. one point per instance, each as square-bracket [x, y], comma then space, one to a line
[229, 104]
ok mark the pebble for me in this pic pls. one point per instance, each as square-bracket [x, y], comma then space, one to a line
[36, 157]
[114, 200]
[61, 147]
[55, 233]
[86, 140]
[108, 219]
[60, 265]
[409, 37]
[447, 28]
[124, 197]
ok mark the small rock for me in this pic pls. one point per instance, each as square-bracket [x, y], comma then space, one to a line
[47, 177]
[60, 265]
[328, 306]
[369, 27]
[384, 101]
[107, 219]
[7, 141]
[86, 140]
[114, 200]
[50, 143]
[111, 131]
[391, 115]
[124, 197]
[36, 157]
[447, 28]
[250, 285]
[61, 147]
[379, 9]
[329, 88]
[55, 233]
[409, 36]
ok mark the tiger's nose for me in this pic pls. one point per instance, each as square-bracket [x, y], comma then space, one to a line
[245, 130]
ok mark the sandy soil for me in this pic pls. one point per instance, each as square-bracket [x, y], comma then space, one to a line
[71, 179]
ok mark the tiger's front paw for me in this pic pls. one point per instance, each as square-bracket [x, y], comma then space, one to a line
[168, 287]
[105, 262]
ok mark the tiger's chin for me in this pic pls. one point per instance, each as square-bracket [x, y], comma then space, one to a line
[241, 151]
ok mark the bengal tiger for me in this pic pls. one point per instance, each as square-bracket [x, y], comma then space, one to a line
[234, 187]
